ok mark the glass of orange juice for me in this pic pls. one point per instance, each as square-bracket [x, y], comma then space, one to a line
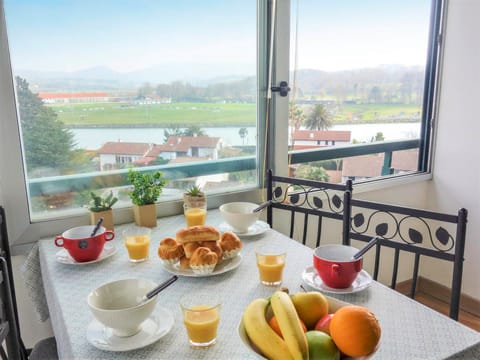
[137, 242]
[270, 263]
[195, 215]
[201, 315]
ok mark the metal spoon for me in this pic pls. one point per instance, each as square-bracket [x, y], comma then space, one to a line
[159, 288]
[261, 206]
[95, 229]
[366, 248]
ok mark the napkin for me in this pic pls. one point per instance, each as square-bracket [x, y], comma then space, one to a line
[32, 276]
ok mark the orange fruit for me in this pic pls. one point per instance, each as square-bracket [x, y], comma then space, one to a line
[274, 325]
[355, 330]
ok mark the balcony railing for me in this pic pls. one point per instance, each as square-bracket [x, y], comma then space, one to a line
[103, 179]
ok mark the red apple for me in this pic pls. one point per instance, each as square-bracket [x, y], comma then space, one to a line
[324, 323]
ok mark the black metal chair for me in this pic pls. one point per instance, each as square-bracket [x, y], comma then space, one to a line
[313, 199]
[422, 233]
[9, 325]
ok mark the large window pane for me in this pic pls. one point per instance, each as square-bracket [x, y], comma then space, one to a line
[105, 85]
[358, 76]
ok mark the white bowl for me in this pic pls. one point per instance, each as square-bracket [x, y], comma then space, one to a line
[116, 305]
[239, 215]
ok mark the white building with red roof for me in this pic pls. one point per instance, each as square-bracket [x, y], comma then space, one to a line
[308, 139]
[113, 154]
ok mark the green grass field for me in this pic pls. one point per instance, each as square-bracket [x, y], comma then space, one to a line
[118, 114]
[212, 114]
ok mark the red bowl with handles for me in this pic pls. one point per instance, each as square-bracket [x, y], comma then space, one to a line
[80, 245]
[336, 266]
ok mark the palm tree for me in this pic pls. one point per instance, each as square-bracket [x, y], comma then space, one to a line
[243, 132]
[319, 118]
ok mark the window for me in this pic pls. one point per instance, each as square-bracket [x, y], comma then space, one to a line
[362, 72]
[164, 85]
[180, 86]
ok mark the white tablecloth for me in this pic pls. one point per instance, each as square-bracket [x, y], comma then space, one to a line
[409, 329]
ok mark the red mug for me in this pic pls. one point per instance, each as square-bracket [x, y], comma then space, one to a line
[336, 266]
[80, 245]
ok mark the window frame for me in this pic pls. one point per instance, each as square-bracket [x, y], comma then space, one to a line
[273, 154]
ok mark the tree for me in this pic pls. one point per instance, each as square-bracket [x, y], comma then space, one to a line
[378, 137]
[319, 118]
[193, 130]
[317, 173]
[243, 132]
[296, 116]
[47, 143]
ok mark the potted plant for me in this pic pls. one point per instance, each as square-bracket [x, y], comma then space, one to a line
[101, 207]
[194, 197]
[147, 187]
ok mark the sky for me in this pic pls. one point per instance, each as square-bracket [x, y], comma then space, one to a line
[126, 35]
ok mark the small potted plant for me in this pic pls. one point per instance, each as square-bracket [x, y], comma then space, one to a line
[101, 207]
[195, 197]
[147, 187]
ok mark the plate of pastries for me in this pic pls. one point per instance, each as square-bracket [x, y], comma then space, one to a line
[200, 251]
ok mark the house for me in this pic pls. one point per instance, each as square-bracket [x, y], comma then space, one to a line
[65, 98]
[112, 154]
[190, 146]
[307, 139]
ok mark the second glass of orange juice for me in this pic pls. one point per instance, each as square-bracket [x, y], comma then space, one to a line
[195, 215]
[270, 263]
[137, 242]
[201, 315]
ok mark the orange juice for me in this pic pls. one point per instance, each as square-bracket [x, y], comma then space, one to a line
[201, 323]
[195, 216]
[270, 268]
[138, 247]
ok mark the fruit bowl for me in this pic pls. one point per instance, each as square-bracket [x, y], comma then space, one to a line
[333, 305]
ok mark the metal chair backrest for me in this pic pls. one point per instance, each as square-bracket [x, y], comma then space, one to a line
[310, 198]
[9, 325]
[422, 233]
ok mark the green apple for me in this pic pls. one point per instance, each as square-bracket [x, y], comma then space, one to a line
[310, 306]
[321, 346]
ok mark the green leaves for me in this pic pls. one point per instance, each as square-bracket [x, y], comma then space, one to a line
[147, 187]
[100, 203]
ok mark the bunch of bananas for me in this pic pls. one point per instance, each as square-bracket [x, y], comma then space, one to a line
[294, 343]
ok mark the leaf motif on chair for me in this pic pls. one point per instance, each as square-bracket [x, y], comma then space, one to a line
[294, 198]
[278, 192]
[381, 229]
[415, 236]
[318, 202]
[336, 201]
[358, 220]
[442, 235]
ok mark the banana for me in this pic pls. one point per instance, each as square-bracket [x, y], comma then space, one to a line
[261, 334]
[289, 323]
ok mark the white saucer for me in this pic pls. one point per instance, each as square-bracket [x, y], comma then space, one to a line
[64, 257]
[156, 326]
[312, 279]
[256, 229]
[222, 267]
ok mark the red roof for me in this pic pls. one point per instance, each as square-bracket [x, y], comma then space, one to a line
[125, 148]
[71, 95]
[184, 143]
[322, 135]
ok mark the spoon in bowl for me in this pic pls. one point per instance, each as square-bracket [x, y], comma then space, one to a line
[365, 248]
[159, 288]
[261, 206]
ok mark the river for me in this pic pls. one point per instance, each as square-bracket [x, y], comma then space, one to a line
[93, 139]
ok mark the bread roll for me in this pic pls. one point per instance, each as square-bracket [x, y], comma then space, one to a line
[184, 263]
[169, 249]
[203, 256]
[214, 246]
[198, 233]
[230, 241]
[190, 248]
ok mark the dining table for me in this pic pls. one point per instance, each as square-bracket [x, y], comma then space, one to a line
[409, 330]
